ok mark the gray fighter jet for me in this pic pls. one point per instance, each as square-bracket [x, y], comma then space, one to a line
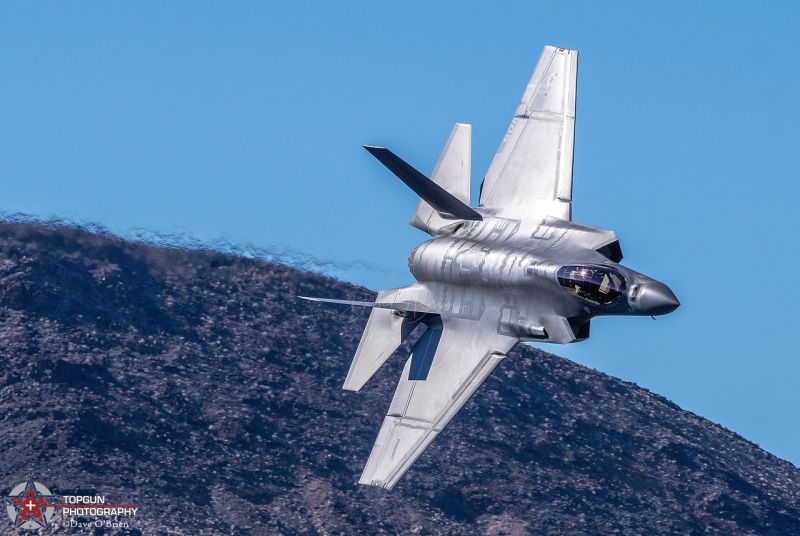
[516, 268]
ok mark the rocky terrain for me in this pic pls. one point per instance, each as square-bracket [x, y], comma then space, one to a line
[196, 385]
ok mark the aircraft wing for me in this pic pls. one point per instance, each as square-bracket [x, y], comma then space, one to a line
[531, 174]
[465, 355]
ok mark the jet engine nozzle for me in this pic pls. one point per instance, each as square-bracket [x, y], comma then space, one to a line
[654, 298]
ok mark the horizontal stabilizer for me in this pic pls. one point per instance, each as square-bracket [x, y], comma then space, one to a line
[384, 332]
[395, 313]
[445, 203]
[404, 306]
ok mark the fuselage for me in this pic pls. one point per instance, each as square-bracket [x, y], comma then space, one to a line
[548, 280]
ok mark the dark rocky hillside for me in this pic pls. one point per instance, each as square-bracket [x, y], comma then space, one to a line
[195, 384]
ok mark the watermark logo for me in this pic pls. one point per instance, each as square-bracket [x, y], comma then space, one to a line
[28, 505]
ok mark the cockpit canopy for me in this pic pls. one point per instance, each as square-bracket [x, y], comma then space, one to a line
[599, 285]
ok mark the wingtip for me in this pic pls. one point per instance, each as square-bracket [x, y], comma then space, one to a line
[375, 483]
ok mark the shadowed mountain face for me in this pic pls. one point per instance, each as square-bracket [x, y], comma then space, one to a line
[195, 384]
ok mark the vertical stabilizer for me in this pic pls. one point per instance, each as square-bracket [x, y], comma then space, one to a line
[452, 172]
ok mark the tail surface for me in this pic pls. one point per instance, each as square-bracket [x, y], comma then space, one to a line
[445, 197]
[395, 313]
[452, 172]
[384, 333]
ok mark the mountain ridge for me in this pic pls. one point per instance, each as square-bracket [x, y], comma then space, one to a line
[194, 383]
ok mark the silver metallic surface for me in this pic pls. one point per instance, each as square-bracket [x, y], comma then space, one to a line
[523, 272]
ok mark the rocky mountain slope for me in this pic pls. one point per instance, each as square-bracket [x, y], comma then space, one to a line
[196, 385]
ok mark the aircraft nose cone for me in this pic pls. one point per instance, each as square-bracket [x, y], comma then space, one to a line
[656, 298]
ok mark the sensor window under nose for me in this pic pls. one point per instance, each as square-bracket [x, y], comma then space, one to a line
[599, 285]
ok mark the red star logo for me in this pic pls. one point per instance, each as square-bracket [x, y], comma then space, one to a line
[30, 505]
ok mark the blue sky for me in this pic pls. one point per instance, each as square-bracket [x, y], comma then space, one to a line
[244, 122]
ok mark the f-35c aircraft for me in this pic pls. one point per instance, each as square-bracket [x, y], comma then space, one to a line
[516, 268]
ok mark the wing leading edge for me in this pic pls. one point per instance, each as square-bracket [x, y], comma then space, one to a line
[531, 174]
[465, 356]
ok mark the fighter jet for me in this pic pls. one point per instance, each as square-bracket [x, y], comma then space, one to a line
[515, 268]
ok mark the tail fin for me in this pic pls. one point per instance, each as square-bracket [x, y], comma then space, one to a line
[450, 169]
[395, 314]
[384, 333]
[452, 172]
[408, 309]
